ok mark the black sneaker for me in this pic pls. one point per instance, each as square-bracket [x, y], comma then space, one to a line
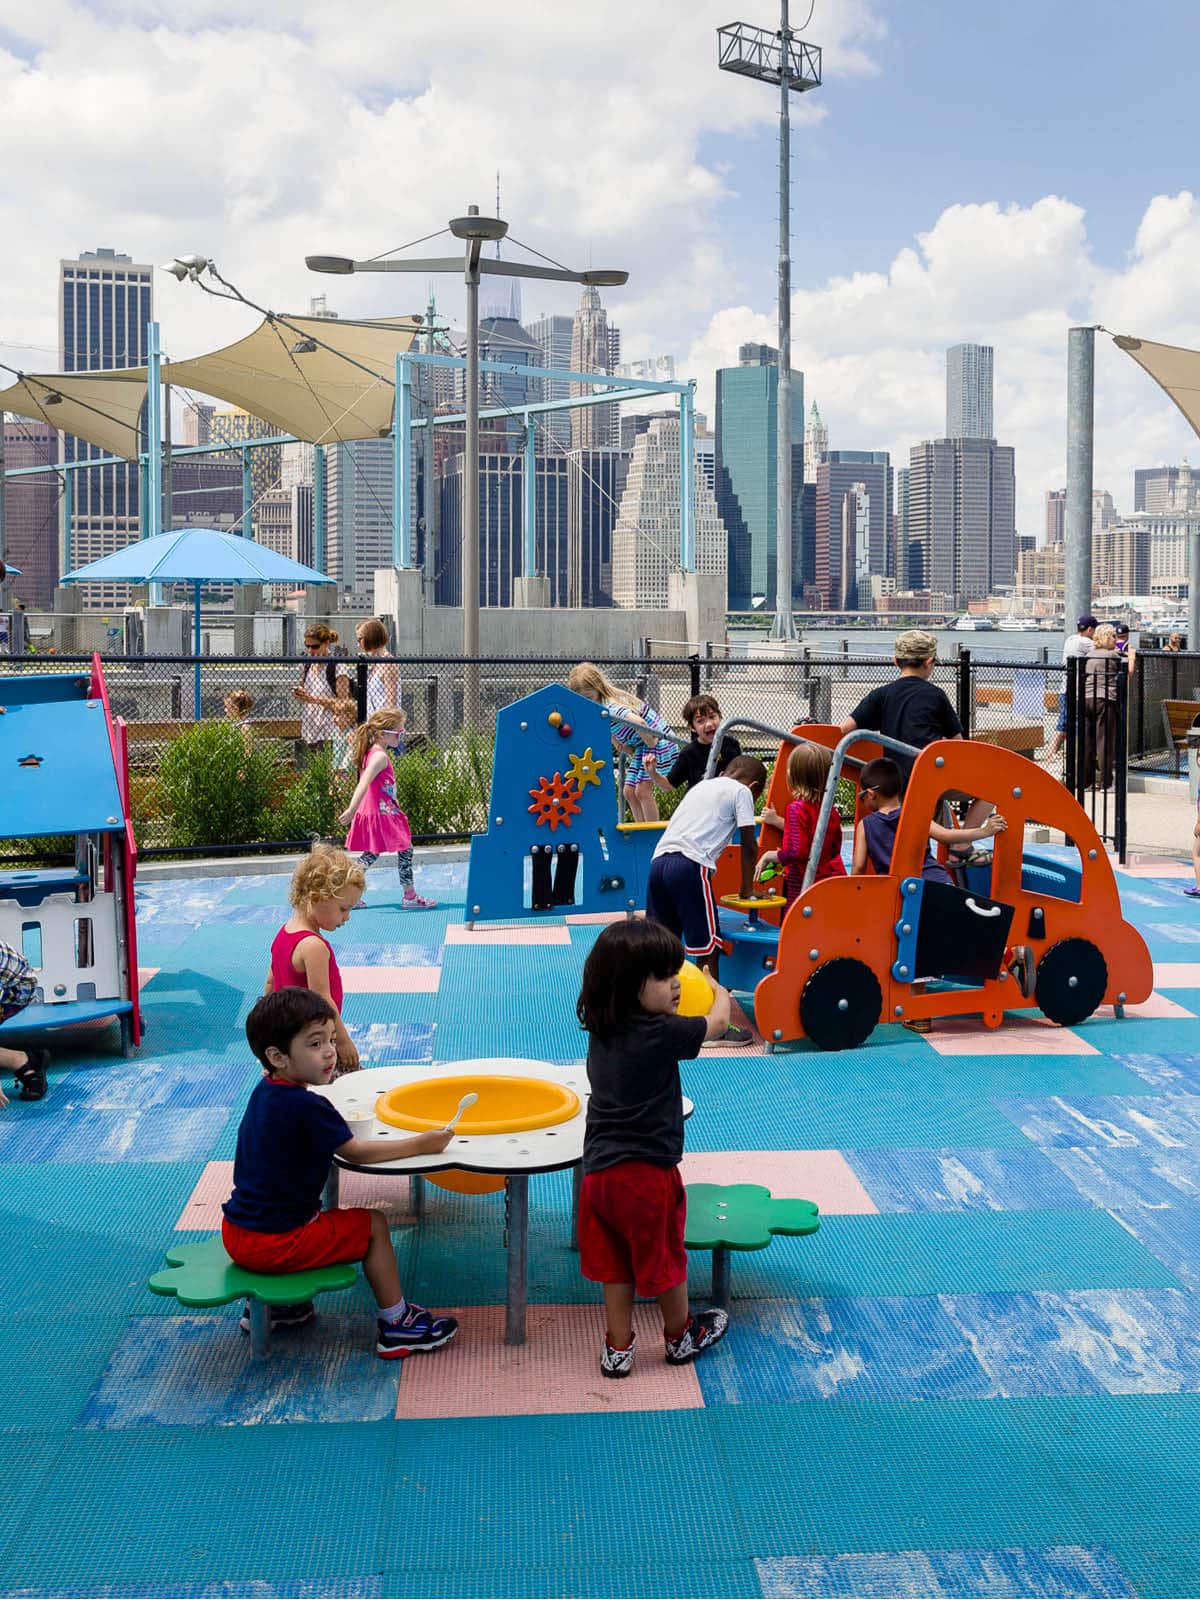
[702, 1331]
[1021, 967]
[417, 1330]
[734, 1038]
[31, 1078]
[618, 1363]
[281, 1316]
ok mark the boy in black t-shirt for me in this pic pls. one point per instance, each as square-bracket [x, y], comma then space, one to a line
[273, 1220]
[702, 715]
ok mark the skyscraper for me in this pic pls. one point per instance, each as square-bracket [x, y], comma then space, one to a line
[969, 392]
[552, 335]
[1056, 513]
[745, 479]
[595, 482]
[235, 427]
[501, 486]
[853, 526]
[31, 511]
[504, 339]
[816, 444]
[358, 498]
[645, 541]
[104, 303]
[962, 517]
[595, 347]
[1159, 489]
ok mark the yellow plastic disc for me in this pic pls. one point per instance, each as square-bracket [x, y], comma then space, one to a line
[505, 1105]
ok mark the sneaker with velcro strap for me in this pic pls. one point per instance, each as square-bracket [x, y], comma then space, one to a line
[414, 1333]
[618, 1363]
[702, 1331]
[281, 1316]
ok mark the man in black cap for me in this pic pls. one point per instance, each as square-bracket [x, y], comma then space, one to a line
[1075, 644]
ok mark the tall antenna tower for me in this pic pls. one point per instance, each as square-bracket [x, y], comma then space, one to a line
[795, 67]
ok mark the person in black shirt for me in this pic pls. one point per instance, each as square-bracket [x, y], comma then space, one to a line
[918, 713]
[702, 715]
[632, 1205]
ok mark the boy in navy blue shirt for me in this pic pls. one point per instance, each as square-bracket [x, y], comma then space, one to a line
[286, 1143]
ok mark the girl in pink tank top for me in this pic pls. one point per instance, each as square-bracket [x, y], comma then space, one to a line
[326, 886]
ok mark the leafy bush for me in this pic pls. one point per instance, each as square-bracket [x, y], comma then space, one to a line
[313, 802]
[445, 788]
[212, 789]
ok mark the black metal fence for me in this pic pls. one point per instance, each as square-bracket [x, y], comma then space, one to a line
[1164, 684]
[444, 781]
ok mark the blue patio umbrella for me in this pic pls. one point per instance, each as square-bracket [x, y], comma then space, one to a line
[13, 572]
[196, 556]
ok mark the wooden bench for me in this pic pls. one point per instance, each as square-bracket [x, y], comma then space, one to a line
[998, 695]
[1178, 717]
[262, 727]
[740, 1216]
[203, 1275]
[1023, 738]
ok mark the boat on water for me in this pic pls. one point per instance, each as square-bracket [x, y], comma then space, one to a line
[1018, 624]
[969, 624]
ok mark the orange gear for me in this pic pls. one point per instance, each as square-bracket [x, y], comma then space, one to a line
[555, 800]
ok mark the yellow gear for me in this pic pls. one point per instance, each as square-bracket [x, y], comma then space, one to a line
[585, 769]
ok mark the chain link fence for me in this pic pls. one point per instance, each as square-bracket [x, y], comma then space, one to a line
[443, 779]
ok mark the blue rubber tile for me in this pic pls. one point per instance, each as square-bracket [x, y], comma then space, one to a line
[510, 1001]
[387, 1043]
[356, 1588]
[352, 953]
[1178, 1072]
[251, 916]
[1185, 935]
[171, 1507]
[1093, 1121]
[195, 1369]
[1099, 1341]
[183, 1080]
[159, 937]
[962, 1180]
[25, 1461]
[1172, 1234]
[1120, 1177]
[106, 1276]
[943, 1475]
[136, 1203]
[44, 1392]
[921, 1253]
[1061, 1570]
[610, 1579]
[783, 1351]
[158, 1134]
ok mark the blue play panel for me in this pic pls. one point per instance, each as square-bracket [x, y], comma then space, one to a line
[980, 1377]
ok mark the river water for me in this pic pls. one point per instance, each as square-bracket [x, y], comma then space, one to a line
[987, 646]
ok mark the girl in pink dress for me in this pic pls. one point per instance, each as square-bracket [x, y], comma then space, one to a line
[377, 824]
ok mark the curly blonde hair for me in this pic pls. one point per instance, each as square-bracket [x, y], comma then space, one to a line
[322, 874]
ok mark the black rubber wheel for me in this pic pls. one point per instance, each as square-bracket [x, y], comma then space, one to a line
[840, 1004]
[1071, 979]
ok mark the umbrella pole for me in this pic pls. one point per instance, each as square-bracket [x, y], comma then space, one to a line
[196, 647]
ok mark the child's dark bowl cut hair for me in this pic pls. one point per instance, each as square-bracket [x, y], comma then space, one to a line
[620, 961]
[277, 1018]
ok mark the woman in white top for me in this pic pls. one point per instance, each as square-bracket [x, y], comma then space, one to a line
[324, 683]
[1074, 645]
[383, 677]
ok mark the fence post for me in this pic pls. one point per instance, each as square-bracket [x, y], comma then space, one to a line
[1121, 766]
[694, 665]
[1071, 766]
[360, 689]
[964, 691]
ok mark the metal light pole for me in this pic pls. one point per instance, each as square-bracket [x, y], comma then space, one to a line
[1077, 515]
[780, 59]
[475, 231]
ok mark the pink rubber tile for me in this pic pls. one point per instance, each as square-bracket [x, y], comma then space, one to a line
[1157, 1006]
[213, 1188]
[145, 974]
[391, 980]
[458, 933]
[1025, 1036]
[1148, 867]
[1177, 974]
[215, 1185]
[823, 1176]
[584, 919]
[555, 1371]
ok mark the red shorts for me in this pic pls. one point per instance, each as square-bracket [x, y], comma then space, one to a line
[631, 1219]
[331, 1236]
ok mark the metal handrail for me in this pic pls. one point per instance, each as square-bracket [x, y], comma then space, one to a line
[840, 756]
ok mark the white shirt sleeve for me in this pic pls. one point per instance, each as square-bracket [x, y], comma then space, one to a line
[743, 807]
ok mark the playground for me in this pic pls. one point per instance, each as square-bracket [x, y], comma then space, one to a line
[977, 1376]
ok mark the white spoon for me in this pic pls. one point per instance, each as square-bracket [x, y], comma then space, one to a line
[467, 1100]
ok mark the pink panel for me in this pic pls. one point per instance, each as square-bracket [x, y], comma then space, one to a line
[823, 1176]
[213, 1188]
[556, 1370]
[1177, 974]
[391, 980]
[145, 974]
[1025, 1036]
[1152, 867]
[375, 1192]
[583, 919]
[458, 933]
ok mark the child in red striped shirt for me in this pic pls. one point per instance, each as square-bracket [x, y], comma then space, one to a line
[807, 772]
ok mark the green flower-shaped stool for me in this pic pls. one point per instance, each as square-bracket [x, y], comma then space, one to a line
[203, 1275]
[739, 1216]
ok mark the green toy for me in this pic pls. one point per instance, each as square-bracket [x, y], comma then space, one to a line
[203, 1275]
[740, 1216]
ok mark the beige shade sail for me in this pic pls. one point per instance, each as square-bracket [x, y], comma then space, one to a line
[1175, 370]
[342, 389]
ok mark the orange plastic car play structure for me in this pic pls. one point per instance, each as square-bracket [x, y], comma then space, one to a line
[857, 951]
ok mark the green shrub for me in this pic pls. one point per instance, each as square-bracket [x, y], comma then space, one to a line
[313, 803]
[212, 789]
[445, 788]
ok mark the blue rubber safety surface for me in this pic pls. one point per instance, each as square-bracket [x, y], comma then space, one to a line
[989, 1386]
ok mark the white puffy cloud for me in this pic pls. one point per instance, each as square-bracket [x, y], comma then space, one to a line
[872, 346]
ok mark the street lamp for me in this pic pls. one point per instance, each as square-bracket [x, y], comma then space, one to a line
[475, 231]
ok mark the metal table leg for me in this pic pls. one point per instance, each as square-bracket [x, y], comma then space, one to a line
[416, 1194]
[576, 1191]
[720, 1277]
[517, 1210]
[329, 1195]
[260, 1329]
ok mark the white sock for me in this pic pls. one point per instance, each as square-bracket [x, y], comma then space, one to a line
[393, 1313]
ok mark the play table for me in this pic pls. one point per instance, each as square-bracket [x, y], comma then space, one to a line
[513, 1156]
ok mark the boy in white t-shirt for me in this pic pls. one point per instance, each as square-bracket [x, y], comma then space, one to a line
[679, 893]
